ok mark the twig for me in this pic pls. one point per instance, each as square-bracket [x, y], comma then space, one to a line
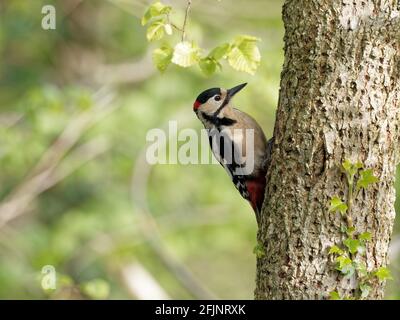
[350, 204]
[175, 26]
[189, 3]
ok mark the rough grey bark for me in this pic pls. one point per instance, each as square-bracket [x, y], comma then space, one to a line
[339, 99]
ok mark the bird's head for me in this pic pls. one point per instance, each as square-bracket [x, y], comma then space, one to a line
[213, 100]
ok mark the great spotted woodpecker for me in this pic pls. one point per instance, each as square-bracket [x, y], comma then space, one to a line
[237, 142]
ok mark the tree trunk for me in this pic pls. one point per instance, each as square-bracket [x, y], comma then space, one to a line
[339, 100]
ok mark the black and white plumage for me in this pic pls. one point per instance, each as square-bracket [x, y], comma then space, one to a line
[229, 131]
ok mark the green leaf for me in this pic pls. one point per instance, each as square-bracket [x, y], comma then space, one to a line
[365, 289]
[210, 63]
[366, 178]
[146, 17]
[156, 30]
[259, 250]
[334, 295]
[345, 265]
[362, 269]
[220, 51]
[168, 29]
[348, 270]
[365, 236]
[352, 244]
[361, 249]
[155, 10]
[342, 261]
[358, 165]
[186, 54]
[162, 57]
[338, 205]
[335, 249]
[351, 168]
[347, 165]
[208, 66]
[96, 289]
[350, 230]
[383, 273]
[244, 54]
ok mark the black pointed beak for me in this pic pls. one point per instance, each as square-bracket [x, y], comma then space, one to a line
[234, 90]
[229, 95]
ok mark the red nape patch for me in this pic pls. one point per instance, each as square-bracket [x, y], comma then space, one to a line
[196, 105]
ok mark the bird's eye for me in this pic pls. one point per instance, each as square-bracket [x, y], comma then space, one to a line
[217, 98]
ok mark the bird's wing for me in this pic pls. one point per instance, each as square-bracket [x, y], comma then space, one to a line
[229, 154]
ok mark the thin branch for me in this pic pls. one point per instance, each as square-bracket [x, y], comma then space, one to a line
[189, 3]
[175, 26]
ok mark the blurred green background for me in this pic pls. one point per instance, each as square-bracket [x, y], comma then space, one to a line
[75, 106]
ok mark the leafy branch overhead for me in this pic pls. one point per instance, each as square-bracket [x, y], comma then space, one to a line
[242, 53]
